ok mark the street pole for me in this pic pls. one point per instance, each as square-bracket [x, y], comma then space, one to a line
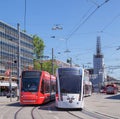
[70, 62]
[52, 61]
[19, 62]
[10, 87]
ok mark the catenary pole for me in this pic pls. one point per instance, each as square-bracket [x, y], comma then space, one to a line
[19, 61]
[52, 61]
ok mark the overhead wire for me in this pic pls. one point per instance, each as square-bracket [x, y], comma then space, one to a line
[110, 22]
[76, 29]
[83, 17]
[81, 20]
[94, 2]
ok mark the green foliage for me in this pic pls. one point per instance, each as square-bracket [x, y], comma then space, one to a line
[39, 46]
[37, 65]
[39, 50]
[46, 66]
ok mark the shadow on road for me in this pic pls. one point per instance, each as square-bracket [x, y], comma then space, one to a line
[16, 104]
[44, 106]
[51, 107]
[115, 97]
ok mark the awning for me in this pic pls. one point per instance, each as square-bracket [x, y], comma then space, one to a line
[6, 83]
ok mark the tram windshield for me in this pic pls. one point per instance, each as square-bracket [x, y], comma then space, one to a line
[30, 81]
[70, 83]
[30, 85]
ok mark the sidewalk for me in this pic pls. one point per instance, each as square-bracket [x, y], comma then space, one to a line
[5, 100]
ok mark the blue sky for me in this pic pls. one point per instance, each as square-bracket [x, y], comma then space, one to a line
[42, 15]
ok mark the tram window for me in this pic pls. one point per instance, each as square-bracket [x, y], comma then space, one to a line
[47, 86]
[42, 87]
[53, 86]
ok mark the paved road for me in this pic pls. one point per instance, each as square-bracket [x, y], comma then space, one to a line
[105, 104]
[96, 106]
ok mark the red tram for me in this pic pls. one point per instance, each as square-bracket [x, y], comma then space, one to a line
[37, 87]
[111, 89]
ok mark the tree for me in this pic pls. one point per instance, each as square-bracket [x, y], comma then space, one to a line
[39, 50]
[39, 46]
[47, 66]
[37, 65]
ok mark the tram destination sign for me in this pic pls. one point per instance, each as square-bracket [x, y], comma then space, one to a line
[31, 74]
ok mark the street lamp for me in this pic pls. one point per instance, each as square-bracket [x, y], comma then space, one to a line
[69, 61]
[67, 50]
[57, 27]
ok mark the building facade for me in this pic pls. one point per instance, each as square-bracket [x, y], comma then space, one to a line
[10, 40]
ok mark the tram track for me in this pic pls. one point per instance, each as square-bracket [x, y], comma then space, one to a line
[95, 115]
[69, 112]
[19, 111]
[32, 112]
[86, 114]
[91, 115]
[16, 114]
[52, 112]
[107, 115]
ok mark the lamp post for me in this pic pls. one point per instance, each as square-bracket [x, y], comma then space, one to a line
[100, 78]
[10, 86]
[52, 61]
[19, 62]
[8, 73]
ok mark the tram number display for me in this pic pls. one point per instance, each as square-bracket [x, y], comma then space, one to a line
[69, 71]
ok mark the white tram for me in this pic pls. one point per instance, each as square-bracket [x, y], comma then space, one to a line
[69, 93]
